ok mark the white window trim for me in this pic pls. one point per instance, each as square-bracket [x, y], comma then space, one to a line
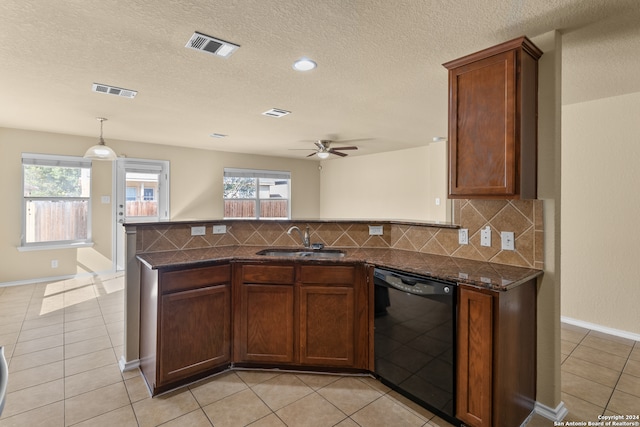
[53, 160]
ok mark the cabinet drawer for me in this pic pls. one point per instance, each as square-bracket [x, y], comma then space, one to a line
[330, 275]
[279, 274]
[180, 280]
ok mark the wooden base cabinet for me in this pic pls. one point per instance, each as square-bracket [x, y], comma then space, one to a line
[264, 314]
[185, 324]
[496, 355]
[302, 315]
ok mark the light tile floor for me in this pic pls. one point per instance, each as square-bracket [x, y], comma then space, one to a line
[62, 341]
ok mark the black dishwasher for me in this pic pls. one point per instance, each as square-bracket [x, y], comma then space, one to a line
[414, 345]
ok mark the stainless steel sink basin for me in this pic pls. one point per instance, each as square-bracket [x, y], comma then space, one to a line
[303, 253]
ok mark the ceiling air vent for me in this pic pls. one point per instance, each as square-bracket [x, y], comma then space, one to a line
[211, 45]
[112, 90]
[276, 112]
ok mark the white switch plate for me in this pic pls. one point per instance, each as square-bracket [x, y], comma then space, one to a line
[485, 236]
[463, 236]
[508, 241]
[199, 230]
[219, 229]
[437, 201]
[376, 230]
[54, 263]
[105, 200]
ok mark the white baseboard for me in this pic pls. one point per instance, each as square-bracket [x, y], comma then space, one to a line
[56, 278]
[552, 414]
[128, 365]
[600, 328]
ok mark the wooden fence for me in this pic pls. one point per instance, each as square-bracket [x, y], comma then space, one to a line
[49, 221]
[143, 208]
[247, 209]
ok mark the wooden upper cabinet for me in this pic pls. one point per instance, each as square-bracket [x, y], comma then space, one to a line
[493, 122]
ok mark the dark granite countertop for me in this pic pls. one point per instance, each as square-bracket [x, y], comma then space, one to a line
[476, 273]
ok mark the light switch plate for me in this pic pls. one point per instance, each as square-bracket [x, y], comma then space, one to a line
[376, 230]
[463, 236]
[485, 236]
[508, 241]
[199, 230]
[219, 229]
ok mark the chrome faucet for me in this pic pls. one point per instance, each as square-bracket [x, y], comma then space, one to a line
[305, 238]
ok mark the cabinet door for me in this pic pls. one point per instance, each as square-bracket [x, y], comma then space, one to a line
[482, 127]
[327, 325]
[194, 332]
[475, 358]
[265, 329]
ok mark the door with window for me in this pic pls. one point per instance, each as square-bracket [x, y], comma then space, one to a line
[142, 195]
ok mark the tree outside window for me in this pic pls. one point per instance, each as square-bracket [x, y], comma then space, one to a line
[57, 196]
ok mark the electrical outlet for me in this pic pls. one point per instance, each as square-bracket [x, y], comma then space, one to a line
[508, 241]
[54, 263]
[485, 236]
[199, 230]
[219, 229]
[463, 236]
[376, 230]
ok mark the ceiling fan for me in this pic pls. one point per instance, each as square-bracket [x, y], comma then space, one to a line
[324, 149]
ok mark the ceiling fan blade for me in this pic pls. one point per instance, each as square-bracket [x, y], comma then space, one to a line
[312, 154]
[345, 148]
[337, 153]
[343, 141]
[319, 145]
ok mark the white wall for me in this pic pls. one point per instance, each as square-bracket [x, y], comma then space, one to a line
[601, 211]
[196, 193]
[394, 185]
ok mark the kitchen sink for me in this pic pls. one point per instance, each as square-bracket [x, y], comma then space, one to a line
[303, 253]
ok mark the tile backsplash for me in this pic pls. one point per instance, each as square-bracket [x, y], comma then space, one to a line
[523, 217]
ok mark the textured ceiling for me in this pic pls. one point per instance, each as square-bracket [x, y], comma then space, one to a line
[379, 75]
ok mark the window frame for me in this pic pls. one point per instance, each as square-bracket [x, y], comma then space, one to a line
[34, 159]
[259, 174]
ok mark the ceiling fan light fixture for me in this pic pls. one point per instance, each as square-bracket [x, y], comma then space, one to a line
[100, 151]
[323, 154]
[304, 64]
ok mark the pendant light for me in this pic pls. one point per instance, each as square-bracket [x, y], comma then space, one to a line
[100, 151]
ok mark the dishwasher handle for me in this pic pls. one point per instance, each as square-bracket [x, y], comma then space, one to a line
[414, 285]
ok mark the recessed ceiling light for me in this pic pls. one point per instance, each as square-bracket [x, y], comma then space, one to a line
[304, 64]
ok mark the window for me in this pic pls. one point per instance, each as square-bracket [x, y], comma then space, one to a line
[256, 194]
[57, 200]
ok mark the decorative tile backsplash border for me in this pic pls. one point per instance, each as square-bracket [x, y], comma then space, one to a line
[523, 217]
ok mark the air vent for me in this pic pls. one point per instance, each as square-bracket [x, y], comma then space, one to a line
[276, 112]
[112, 90]
[211, 45]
